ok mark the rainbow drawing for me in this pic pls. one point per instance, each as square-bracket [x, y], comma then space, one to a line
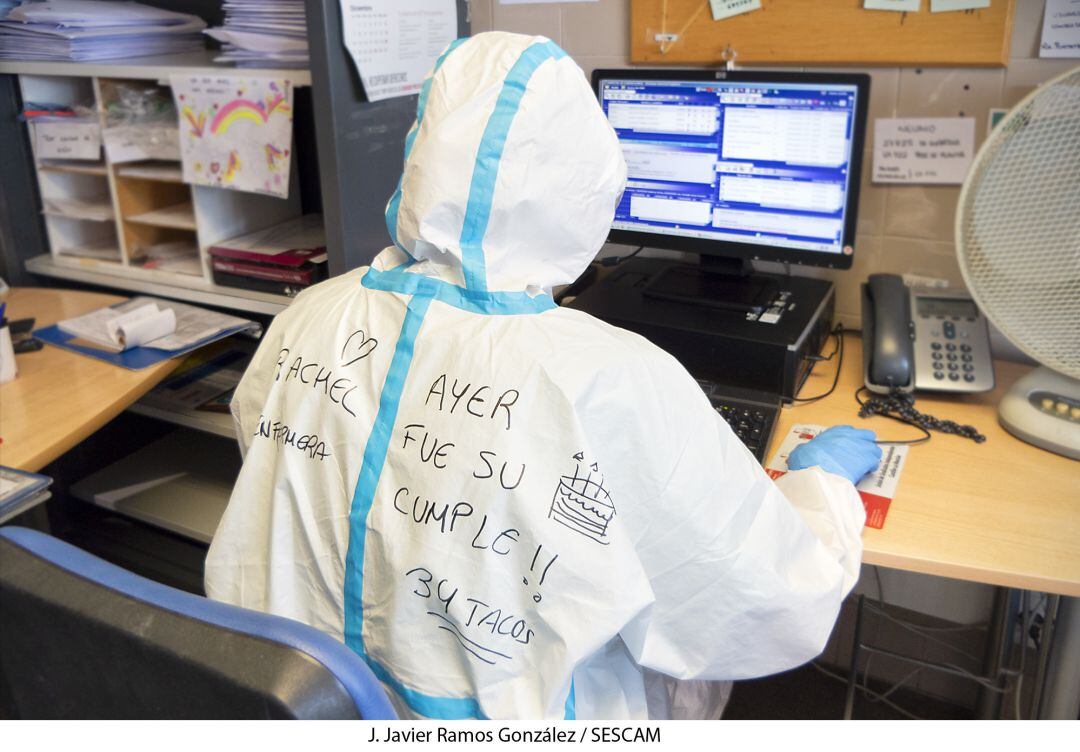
[273, 155]
[197, 122]
[245, 109]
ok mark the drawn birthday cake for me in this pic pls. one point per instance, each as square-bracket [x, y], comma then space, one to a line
[581, 502]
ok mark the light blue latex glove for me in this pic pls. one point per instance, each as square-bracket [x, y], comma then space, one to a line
[843, 450]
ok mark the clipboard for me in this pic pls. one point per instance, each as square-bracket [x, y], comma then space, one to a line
[136, 358]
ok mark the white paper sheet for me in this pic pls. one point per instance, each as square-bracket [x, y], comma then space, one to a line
[141, 326]
[944, 6]
[76, 139]
[901, 6]
[1061, 29]
[923, 150]
[190, 324]
[727, 8]
[394, 43]
[121, 329]
[235, 131]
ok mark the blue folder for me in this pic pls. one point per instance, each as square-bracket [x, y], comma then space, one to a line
[136, 358]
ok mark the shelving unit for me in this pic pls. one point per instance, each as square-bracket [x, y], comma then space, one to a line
[74, 166]
[166, 172]
[348, 151]
[180, 483]
[126, 225]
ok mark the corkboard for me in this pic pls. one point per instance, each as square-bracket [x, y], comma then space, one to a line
[820, 32]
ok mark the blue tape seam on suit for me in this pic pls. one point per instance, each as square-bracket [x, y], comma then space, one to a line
[424, 290]
[487, 303]
[421, 104]
[488, 156]
[474, 298]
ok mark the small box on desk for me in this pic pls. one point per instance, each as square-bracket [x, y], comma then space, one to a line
[767, 352]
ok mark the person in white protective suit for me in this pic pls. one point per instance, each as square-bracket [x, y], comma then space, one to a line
[511, 509]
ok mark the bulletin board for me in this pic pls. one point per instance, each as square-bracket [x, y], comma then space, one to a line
[819, 32]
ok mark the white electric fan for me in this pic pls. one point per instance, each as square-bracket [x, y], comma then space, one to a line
[1018, 243]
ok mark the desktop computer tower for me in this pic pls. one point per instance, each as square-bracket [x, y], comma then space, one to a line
[762, 352]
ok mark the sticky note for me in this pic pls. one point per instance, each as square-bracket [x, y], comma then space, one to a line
[728, 8]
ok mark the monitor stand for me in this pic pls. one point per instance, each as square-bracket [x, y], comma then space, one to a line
[716, 282]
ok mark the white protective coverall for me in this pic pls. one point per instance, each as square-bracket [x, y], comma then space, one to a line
[511, 509]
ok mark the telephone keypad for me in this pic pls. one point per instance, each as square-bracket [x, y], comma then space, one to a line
[952, 353]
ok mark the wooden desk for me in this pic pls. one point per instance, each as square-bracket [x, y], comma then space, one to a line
[60, 397]
[1002, 512]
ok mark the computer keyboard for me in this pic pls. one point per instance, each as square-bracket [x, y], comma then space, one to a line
[752, 416]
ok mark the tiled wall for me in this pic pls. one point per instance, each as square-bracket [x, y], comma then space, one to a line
[901, 229]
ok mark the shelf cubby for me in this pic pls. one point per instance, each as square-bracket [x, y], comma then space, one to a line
[138, 226]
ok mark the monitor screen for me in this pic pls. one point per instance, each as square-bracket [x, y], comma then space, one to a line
[765, 167]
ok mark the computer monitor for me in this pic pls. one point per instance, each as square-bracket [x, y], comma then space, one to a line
[739, 164]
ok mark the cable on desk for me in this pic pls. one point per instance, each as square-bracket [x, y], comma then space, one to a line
[900, 406]
[838, 351]
[616, 260]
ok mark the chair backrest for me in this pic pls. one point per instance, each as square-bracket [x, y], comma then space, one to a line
[82, 638]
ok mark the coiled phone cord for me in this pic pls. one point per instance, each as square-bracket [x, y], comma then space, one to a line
[900, 406]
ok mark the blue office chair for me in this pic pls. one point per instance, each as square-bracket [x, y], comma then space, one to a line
[81, 638]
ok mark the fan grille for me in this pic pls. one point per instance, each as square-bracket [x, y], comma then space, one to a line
[1018, 225]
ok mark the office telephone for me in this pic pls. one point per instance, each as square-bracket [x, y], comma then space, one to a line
[923, 339]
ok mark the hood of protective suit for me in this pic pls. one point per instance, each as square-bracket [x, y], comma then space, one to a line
[512, 172]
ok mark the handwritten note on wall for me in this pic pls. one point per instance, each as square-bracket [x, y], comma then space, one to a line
[1061, 29]
[923, 150]
[235, 131]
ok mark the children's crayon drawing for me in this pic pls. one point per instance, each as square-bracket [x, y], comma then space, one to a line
[236, 131]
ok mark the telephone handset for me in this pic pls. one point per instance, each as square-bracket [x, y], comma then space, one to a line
[888, 334]
[923, 339]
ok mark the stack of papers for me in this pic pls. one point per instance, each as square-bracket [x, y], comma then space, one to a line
[150, 322]
[119, 330]
[76, 30]
[263, 34]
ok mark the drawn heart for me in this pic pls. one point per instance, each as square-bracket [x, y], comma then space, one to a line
[357, 347]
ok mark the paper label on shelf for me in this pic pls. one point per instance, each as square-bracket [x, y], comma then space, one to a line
[1061, 29]
[67, 140]
[923, 150]
[876, 490]
[235, 131]
[134, 143]
[394, 43]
